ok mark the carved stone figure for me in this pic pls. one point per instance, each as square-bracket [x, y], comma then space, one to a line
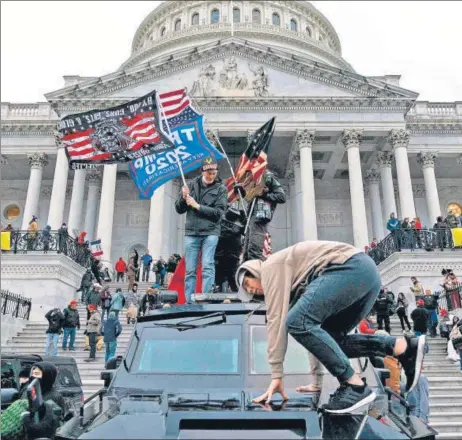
[259, 81]
[203, 86]
[229, 77]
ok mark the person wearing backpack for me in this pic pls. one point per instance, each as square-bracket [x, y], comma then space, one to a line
[55, 327]
[117, 302]
[93, 328]
[105, 297]
[111, 330]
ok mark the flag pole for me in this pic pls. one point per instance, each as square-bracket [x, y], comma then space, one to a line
[217, 139]
[159, 104]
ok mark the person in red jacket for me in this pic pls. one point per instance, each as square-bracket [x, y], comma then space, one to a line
[81, 239]
[120, 267]
[366, 326]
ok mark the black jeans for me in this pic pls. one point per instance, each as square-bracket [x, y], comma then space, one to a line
[225, 270]
[403, 318]
[120, 276]
[92, 342]
[333, 304]
[255, 240]
[383, 319]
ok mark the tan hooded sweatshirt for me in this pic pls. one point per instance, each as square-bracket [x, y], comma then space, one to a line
[279, 275]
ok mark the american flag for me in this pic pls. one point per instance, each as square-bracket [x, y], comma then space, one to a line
[267, 246]
[136, 130]
[253, 160]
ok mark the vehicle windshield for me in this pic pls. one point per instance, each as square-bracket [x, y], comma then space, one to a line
[296, 360]
[198, 351]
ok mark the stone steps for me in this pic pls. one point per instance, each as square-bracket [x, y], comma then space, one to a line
[447, 426]
[443, 416]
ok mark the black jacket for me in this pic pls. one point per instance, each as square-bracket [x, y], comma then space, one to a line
[71, 318]
[55, 321]
[148, 303]
[383, 304]
[275, 194]
[212, 200]
[171, 264]
[86, 279]
[419, 317]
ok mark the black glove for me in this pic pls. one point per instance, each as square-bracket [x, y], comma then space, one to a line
[45, 428]
[239, 189]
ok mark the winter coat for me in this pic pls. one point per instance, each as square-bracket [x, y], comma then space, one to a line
[146, 259]
[81, 238]
[212, 200]
[417, 289]
[419, 317]
[93, 298]
[440, 225]
[87, 279]
[402, 303]
[131, 269]
[452, 221]
[94, 323]
[46, 235]
[148, 302]
[71, 318]
[275, 194]
[382, 305]
[171, 264]
[111, 329]
[121, 266]
[158, 266]
[366, 327]
[117, 302]
[105, 298]
[55, 321]
[393, 224]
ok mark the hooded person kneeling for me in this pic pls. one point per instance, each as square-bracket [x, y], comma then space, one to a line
[318, 291]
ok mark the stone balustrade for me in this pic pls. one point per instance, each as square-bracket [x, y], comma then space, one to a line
[36, 111]
[435, 110]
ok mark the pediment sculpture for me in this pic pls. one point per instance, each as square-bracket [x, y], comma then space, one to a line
[231, 81]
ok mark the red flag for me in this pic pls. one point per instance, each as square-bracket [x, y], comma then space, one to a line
[177, 281]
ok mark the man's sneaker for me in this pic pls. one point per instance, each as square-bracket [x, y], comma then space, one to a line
[348, 398]
[89, 360]
[64, 348]
[412, 360]
[71, 349]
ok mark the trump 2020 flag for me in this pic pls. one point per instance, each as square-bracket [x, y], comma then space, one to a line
[96, 249]
[118, 134]
[192, 146]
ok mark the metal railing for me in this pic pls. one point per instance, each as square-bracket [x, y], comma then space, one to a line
[450, 298]
[52, 242]
[15, 305]
[412, 239]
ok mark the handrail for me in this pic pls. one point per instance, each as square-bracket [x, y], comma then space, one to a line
[17, 305]
[50, 242]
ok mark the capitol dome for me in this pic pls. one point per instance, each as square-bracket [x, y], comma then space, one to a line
[296, 26]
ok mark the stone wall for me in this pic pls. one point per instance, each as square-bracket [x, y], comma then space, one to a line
[10, 327]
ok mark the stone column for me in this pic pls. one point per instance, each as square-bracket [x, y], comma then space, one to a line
[427, 161]
[352, 140]
[303, 142]
[106, 212]
[93, 197]
[156, 223]
[166, 213]
[289, 223]
[293, 206]
[384, 161]
[372, 177]
[75, 211]
[298, 198]
[58, 193]
[37, 162]
[399, 140]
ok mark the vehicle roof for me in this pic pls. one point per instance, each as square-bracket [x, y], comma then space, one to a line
[58, 360]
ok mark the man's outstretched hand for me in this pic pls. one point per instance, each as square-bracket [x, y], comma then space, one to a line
[276, 386]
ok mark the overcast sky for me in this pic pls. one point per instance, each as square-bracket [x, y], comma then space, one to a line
[42, 41]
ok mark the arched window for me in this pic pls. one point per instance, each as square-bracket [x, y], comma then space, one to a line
[256, 16]
[162, 31]
[276, 19]
[236, 15]
[178, 24]
[195, 19]
[308, 31]
[215, 16]
[293, 25]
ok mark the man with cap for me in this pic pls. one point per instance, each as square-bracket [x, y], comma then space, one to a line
[71, 324]
[204, 201]
[318, 292]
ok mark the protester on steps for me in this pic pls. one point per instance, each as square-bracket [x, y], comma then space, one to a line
[93, 328]
[55, 320]
[117, 302]
[131, 273]
[71, 325]
[93, 297]
[120, 268]
[382, 307]
[149, 300]
[318, 291]
[419, 317]
[85, 285]
[146, 259]
[105, 298]
[401, 311]
[131, 314]
[416, 288]
[111, 330]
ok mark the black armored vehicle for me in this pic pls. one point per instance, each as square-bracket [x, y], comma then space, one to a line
[191, 372]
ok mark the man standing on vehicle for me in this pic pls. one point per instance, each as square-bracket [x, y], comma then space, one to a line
[204, 201]
[71, 324]
[318, 291]
[55, 326]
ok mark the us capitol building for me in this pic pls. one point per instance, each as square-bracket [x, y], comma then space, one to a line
[348, 149]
